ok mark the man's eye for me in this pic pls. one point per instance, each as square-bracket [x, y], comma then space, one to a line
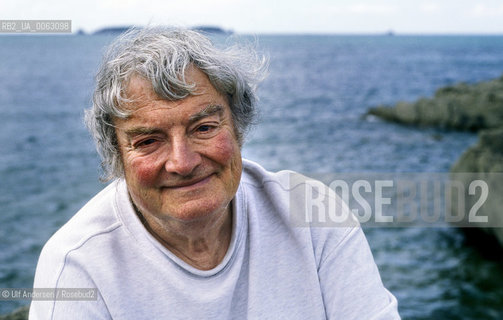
[145, 142]
[204, 128]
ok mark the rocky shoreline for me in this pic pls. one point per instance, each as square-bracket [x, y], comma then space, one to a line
[484, 161]
[18, 314]
[477, 108]
[459, 107]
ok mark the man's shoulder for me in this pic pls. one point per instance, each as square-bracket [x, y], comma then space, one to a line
[299, 190]
[98, 216]
[256, 175]
[309, 209]
[306, 202]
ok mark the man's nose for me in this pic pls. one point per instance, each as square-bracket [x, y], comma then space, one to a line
[182, 158]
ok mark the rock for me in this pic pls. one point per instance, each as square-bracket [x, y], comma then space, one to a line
[18, 314]
[477, 107]
[484, 161]
[485, 156]
[461, 107]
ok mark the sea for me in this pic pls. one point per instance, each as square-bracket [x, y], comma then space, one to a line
[312, 120]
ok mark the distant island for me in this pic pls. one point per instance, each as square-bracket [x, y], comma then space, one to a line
[121, 29]
[112, 30]
[212, 30]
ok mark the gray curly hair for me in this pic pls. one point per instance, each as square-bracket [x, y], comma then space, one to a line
[162, 56]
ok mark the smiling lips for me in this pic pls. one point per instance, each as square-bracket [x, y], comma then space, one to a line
[190, 183]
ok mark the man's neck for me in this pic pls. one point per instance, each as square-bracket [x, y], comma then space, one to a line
[202, 243]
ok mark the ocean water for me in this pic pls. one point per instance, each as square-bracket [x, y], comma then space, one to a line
[311, 121]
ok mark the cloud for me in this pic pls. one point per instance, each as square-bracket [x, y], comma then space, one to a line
[365, 8]
[356, 9]
[481, 10]
[430, 7]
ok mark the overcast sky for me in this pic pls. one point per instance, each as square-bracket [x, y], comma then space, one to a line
[273, 16]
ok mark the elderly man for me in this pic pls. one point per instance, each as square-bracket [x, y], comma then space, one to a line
[188, 229]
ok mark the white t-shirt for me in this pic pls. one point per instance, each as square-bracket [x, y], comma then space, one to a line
[275, 267]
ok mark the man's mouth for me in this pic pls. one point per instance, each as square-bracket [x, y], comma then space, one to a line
[190, 183]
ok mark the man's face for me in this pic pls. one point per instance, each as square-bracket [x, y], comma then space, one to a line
[181, 158]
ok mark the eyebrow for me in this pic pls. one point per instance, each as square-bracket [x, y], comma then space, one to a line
[142, 131]
[208, 111]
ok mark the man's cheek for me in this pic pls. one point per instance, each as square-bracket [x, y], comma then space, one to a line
[225, 148]
[143, 172]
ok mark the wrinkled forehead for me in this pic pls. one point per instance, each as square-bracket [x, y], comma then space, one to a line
[138, 89]
[139, 93]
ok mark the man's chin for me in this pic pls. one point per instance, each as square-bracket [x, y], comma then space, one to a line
[192, 211]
